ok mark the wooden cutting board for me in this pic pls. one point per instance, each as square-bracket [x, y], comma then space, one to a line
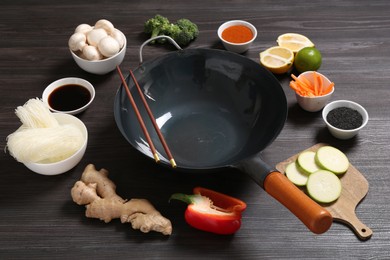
[355, 188]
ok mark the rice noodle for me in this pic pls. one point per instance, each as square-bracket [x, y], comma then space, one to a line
[44, 145]
[35, 114]
[41, 139]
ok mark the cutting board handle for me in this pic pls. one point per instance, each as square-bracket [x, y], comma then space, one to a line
[351, 220]
[315, 217]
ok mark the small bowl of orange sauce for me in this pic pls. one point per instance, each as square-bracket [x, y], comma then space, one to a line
[237, 35]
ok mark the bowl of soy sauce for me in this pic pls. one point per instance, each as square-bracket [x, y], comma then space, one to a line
[69, 95]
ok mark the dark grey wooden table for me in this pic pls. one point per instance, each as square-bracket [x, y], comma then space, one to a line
[38, 219]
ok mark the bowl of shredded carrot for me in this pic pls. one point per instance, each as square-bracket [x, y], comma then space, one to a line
[237, 35]
[312, 89]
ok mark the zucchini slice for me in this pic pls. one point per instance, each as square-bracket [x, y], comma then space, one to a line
[306, 160]
[332, 159]
[296, 175]
[324, 186]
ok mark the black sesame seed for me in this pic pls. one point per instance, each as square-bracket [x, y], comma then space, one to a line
[344, 118]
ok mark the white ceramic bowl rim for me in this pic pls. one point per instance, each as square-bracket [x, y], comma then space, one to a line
[105, 59]
[350, 104]
[66, 81]
[237, 22]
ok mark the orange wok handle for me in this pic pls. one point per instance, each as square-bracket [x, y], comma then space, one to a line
[315, 217]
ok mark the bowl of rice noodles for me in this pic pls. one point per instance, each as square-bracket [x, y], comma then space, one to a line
[47, 143]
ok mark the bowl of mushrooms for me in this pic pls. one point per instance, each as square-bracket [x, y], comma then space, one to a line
[98, 49]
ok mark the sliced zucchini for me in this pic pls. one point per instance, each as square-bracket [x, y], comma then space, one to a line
[296, 175]
[306, 160]
[332, 159]
[324, 186]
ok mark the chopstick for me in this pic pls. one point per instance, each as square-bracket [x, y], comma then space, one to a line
[140, 120]
[151, 116]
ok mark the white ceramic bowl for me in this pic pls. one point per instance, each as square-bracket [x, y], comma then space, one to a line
[68, 81]
[341, 133]
[314, 104]
[237, 47]
[101, 67]
[68, 163]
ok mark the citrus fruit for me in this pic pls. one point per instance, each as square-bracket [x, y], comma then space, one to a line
[277, 59]
[308, 59]
[294, 41]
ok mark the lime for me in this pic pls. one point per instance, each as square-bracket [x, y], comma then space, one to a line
[308, 59]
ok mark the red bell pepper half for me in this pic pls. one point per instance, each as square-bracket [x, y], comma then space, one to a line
[212, 211]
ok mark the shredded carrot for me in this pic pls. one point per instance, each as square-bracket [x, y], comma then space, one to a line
[301, 83]
[328, 89]
[304, 87]
[294, 86]
[316, 87]
[297, 89]
[307, 83]
[321, 84]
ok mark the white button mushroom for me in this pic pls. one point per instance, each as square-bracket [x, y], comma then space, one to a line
[108, 46]
[104, 24]
[98, 41]
[77, 41]
[119, 37]
[91, 53]
[94, 36]
[83, 28]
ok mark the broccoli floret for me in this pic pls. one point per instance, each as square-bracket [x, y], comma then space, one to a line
[155, 25]
[189, 27]
[183, 31]
[171, 30]
[184, 37]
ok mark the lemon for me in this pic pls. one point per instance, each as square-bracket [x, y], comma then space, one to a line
[294, 41]
[277, 59]
[308, 59]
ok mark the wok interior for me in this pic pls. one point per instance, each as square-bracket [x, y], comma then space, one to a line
[213, 107]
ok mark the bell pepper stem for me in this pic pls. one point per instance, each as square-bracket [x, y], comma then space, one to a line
[189, 199]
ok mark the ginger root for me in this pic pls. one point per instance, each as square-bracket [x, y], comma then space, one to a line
[97, 192]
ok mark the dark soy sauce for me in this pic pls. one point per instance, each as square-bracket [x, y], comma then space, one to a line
[69, 97]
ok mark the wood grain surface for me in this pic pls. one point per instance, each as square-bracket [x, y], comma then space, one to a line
[38, 219]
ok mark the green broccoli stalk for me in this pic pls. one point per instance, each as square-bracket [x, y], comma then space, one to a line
[154, 25]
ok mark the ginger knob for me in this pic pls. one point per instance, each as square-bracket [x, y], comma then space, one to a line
[97, 192]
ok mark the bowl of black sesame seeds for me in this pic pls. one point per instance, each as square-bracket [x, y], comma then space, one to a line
[344, 118]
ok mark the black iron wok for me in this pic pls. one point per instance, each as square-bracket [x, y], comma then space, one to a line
[216, 109]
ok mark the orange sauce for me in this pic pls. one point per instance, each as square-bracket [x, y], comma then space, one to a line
[237, 34]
